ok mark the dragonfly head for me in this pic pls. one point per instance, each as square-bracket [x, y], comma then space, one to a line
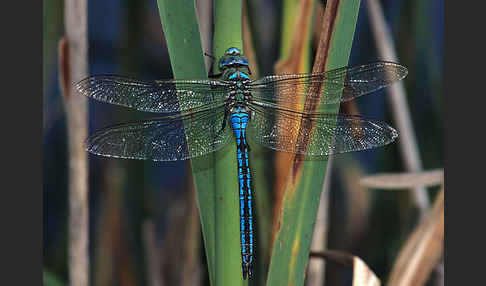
[233, 51]
[232, 58]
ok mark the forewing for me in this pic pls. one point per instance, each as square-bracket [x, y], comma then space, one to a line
[165, 96]
[162, 139]
[331, 133]
[339, 85]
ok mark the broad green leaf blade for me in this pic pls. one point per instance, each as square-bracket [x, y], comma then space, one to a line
[227, 33]
[304, 184]
[181, 29]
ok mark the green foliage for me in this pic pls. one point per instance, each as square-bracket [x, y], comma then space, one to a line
[214, 175]
[185, 50]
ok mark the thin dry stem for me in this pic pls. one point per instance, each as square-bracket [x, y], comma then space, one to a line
[404, 180]
[398, 102]
[74, 67]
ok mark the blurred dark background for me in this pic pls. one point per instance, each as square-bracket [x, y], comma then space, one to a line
[125, 37]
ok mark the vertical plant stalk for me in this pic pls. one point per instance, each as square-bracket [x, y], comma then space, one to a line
[74, 67]
[228, 33]
[398, 102]
[215, 175]
[305, 178]
[181, 29]
[316, 270]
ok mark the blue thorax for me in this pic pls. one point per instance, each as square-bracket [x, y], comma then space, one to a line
[232, 58]
[234, 65]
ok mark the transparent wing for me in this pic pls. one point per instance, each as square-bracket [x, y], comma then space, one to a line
[350, 82]
[331, 133]
[163, 139]
[165, 96]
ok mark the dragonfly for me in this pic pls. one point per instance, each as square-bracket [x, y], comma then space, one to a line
[201, 116]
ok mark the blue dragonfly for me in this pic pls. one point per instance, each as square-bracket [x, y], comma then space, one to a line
[270, 110]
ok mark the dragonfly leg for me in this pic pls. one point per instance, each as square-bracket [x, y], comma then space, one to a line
[211, 75]
[210, 56]
[223, 124]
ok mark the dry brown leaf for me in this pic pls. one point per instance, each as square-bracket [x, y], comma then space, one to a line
[423, 249]
[362, 274]
[404, 180]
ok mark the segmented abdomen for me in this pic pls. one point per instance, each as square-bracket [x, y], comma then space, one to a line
[239, 119]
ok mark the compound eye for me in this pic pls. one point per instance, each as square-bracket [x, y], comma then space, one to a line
[223, 63]
[233, 51]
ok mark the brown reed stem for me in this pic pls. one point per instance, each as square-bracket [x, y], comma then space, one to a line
[73, 67]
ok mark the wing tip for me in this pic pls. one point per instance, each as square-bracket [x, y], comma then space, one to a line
[401, 70]
[390, 133]
[82, 86]
[393, 135]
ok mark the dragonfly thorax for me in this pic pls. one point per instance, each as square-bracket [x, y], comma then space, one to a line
[236, 71]
[233, 58]
[239, 92]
